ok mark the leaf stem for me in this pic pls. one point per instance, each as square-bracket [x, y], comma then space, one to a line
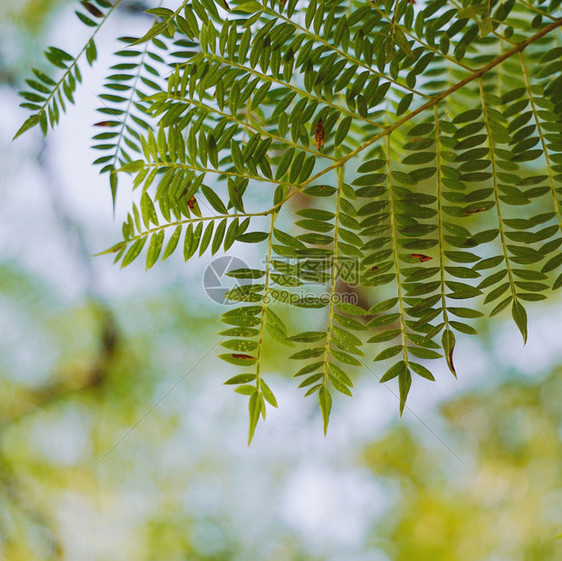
[265, 298]
[394, 233]
[441, 233]
[175, 165]
[496, 191]
[128, 108]
[334, 279]
[258, 395]
[543, 141]
[186, 221]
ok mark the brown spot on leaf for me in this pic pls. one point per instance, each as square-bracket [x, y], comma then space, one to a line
[421, 257]
[449, 347]
[475, 210]
[244, 357]
[319, 135]
[191, 203]
[450, 360]
[102, 124]
[374, 268]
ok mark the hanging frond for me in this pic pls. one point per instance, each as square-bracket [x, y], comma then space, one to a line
[410, 152]
[125, 111]
[46, 95]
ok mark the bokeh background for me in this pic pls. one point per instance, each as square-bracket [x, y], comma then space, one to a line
[118, 440]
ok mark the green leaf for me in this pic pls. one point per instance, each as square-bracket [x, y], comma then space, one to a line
[389, 352]
[253, 237]
[214, 199]
[238, 359]
[404, 384]
[325, 402]
[154, 249]
[421, 370]
[448, 342]
[240, 345]
[520, 317]
[29, 124]
[342, 130]
[249, 7]
[308, 336]
[255, 405]
[395, 370]
[403, 106]
[267, 393]
[240, 379]
[172, 242]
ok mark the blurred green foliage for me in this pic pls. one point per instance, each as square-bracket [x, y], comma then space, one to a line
[29, 14]
[500, 500]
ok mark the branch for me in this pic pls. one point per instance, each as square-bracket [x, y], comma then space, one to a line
[346, 55]
[435, 100]
[41, 115]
